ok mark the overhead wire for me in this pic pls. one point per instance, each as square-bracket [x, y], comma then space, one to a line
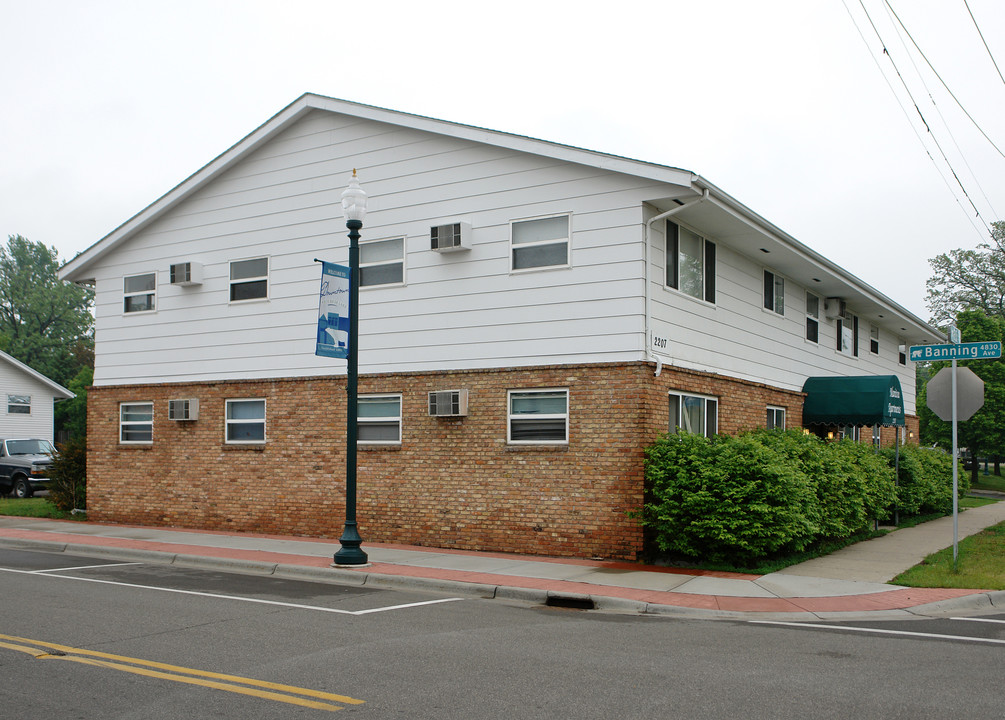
[967, 5]
[907, 89]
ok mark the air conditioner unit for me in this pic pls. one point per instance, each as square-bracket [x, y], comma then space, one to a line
[833, 308]
[183, 409]
[186, 273]
[448, 403]
[450, 238]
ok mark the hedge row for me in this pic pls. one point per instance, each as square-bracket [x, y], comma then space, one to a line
[769, 493]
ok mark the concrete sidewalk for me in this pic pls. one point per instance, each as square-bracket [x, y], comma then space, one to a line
[848, 584]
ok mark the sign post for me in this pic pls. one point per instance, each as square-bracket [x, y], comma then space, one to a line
[959, 408]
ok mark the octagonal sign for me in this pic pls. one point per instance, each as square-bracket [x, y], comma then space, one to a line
[969, 393]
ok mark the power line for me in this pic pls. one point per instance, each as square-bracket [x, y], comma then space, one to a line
[983, 40]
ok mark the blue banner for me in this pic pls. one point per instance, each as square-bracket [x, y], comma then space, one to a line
[333, 312]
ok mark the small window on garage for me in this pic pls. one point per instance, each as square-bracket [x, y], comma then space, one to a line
[19, 404]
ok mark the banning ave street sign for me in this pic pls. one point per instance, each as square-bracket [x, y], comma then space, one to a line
[957, 351]
[969, 393]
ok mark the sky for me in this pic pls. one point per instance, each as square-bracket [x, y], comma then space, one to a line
[790, 106]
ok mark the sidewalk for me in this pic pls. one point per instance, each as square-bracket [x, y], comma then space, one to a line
[845, 585]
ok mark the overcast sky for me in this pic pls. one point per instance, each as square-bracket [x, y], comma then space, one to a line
[781, 103]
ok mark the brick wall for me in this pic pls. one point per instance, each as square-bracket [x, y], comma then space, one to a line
[452, 482]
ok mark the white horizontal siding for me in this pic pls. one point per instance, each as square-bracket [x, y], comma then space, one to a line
[37, 424]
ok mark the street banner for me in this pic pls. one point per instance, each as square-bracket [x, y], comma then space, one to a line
[333, 312]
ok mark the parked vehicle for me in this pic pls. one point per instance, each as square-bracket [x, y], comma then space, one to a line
[24, 466]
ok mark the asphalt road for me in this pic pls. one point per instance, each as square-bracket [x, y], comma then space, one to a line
[130, 640]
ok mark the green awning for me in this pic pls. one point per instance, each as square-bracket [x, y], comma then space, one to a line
[861, 400]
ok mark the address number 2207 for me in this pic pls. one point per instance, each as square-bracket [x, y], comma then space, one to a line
[659, 343]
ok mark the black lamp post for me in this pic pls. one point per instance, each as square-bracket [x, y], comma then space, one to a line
[354, 210]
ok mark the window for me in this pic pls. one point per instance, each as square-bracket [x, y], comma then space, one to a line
[538, 416]
[876, 436]
[136, 422]
[774, 292]
[249, 279]
[539, 243]
[382, 262]
[812, 317]
[19, 404]
[849, 432]
[246, 421]
[378, 419]
[690, 263]
[874, 339]
[776, 418]
[139, 293]
[902, 351]
[847, 334]
[694, 414]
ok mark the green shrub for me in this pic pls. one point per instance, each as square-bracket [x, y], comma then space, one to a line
[68, 476]
[925, 483]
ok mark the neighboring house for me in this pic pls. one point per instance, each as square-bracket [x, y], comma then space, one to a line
[576, 304]
[29, 397]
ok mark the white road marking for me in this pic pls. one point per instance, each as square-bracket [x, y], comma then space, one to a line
[880, 631]
[988, 620]
[81, 567]
[232, 597]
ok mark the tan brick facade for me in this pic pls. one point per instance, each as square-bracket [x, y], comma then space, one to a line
[452, 482]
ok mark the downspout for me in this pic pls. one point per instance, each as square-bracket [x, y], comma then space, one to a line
[650, 355]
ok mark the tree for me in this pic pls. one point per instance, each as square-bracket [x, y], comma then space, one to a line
[969, 280]
[984, 433]
[44, 322]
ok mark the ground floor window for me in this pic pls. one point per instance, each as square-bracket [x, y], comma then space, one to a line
[378, 419]
[776, 418]
[246, 421]
[136, 422]
[695, 414]
[19, 404]
[538, 416]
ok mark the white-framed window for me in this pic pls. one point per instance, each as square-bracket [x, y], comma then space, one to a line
[849, 432]
[902, 352]
[538, 417]
[136, 423]
[245, 421]
[378, 419]
[249, 279]
[774, 292]
[539, 243]
[696, 414]
[19, 404]
[382, 262]
[874, 339]
[812, 317]
[690, 263]
[847, 334]
[775, 418]
[139, 293]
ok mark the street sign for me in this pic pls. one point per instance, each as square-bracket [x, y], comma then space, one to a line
[969, 393]
[962, 351]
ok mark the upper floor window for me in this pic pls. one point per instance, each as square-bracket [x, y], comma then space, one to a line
[249, 279]
[136, 422]
[847, 334]
[538, 416]
[776, 418]
[695, 414]
[774, 292]
[874, 339]
[382, 262]
[902, 352]
[19, 404]
[378, 419]
[690, 263]
[812, 317]
[245, 421]
[139, 293]
[539, 243]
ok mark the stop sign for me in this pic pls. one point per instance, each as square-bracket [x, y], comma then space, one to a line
[969, 393]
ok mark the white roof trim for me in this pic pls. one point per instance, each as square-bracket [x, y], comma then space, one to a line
[57, 389]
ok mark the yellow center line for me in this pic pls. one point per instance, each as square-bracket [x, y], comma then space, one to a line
[137, 666]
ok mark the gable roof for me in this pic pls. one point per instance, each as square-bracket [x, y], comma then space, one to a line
[723, 215]
[58, 391]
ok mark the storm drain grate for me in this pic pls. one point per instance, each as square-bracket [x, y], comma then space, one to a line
[572, 602]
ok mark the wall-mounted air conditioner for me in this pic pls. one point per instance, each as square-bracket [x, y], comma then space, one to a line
[451, 237]
[186, 273]
[833, 308]
[448, 403]
[183, 409]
